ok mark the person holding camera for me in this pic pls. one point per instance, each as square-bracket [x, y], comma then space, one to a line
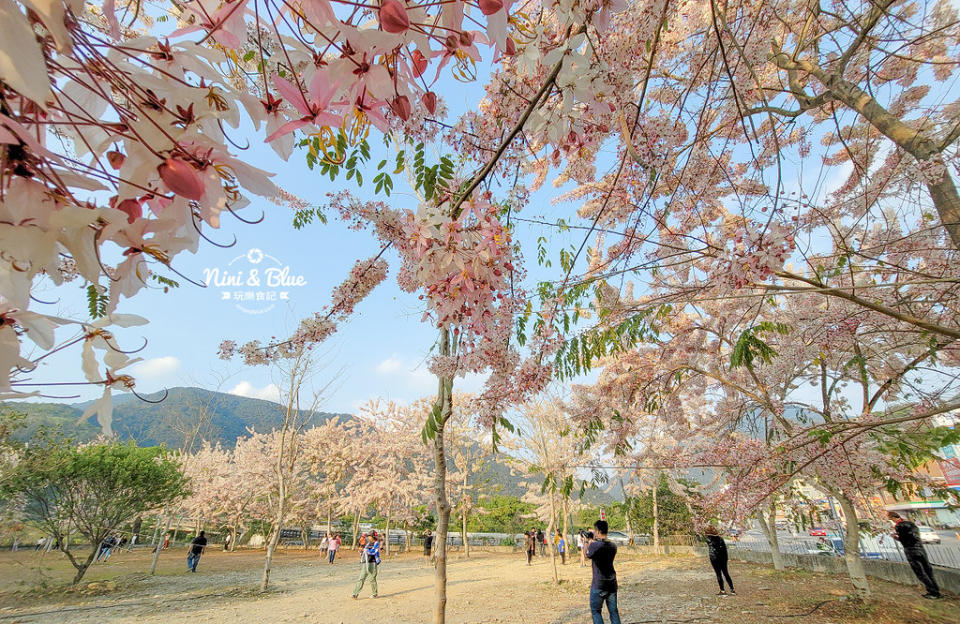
[369, 560]
[603, 589]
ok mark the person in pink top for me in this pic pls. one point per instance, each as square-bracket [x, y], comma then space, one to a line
[333, 543]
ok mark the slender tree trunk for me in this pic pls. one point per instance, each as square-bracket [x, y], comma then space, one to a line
[387, 537]
[356, 528]
[463, 533]
[851, 548]
[156, 528]
[281, 498]
[84, 566]
[159, 547]
[918, 144]
[656, 517]
[551, 529]
[769, 529]
[176, 530]
[445, 403]
[566, 527]
[329, 523]
[626, 508]
[233, 538]
[272, 542]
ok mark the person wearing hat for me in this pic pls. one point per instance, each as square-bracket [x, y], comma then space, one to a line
[369, 560]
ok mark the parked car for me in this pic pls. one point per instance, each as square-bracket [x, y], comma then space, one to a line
[619, 538]
[817, 532]
[928, 535]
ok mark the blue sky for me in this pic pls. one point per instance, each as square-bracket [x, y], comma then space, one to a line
[380, 352]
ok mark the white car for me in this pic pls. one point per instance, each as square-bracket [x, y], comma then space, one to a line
[928, 535]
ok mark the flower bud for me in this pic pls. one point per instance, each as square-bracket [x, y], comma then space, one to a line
[181, 178]
[393, 17]
[489, 7]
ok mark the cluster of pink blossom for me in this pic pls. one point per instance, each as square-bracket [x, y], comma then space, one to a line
[114, 127]
[364, 277]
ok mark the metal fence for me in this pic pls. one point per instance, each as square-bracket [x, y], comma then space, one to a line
[945, 555]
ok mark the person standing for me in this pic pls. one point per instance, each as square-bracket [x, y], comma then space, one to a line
[197, 546]
[333, 545]
[717, 549]
[530, 541]
[369, 560]
[562, 549]
[427, 543]
[908, 535]
[540, 542]
[603, 589]
[106, 548]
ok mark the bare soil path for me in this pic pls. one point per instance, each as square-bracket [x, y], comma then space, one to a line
[487, 588]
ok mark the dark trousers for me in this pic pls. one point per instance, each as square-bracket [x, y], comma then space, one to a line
[917, 557]
[597, 598]
[331, 555]
[529, 556]
[720, 567]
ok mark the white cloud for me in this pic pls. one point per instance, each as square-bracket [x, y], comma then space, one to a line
[392, 364]
[156, 368]
[270, 392]
[409, 379]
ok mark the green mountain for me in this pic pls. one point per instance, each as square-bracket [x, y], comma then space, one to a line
[222, 417]
[225, 418]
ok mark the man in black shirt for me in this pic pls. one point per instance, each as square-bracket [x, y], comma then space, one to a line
[427, 543]
[196, 549]
[601, 552]
[908, 535]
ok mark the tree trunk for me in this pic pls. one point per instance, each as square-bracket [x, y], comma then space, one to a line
[233, 538]
[159, 547]
[566, 527]
[445, 403]
[851, 548]
[83, 567]
[272, 544]
[305, 537]
[329, 523]
[656, 518]
[281, 502]
[918, 144]
[626, 509]
[356, 528]
[387, 536]
[551, 528]
[769, 529]
[156, 528]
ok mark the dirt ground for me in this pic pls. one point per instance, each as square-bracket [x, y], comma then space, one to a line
[486, 588]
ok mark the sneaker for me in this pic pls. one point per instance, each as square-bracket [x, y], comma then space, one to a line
[354, 596]
[733, 593]
[721, 593]
[933, 596]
